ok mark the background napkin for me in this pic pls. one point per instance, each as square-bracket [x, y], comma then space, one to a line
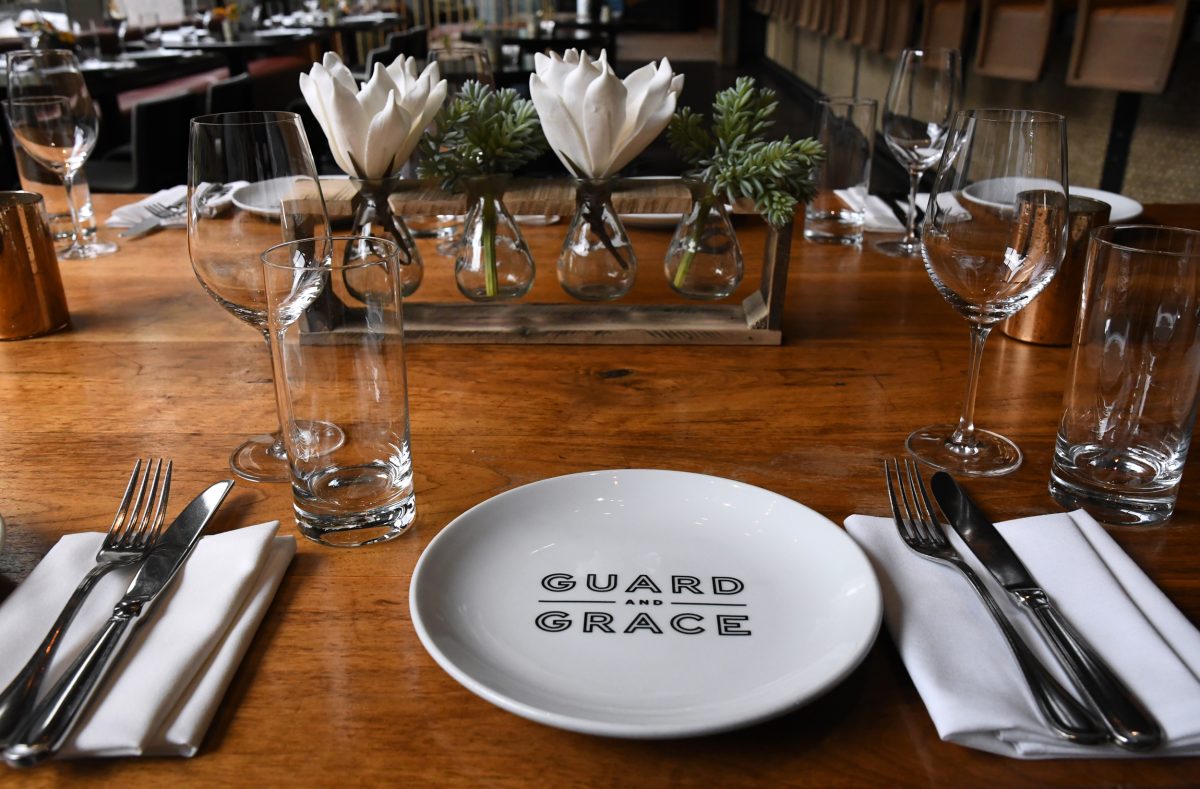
[968, 678]
[166, 689]
[130, 215]
[878, 215]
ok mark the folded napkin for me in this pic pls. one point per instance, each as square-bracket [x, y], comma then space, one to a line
[878, 216]
[166, 688]
[966, 674]
[130, 215]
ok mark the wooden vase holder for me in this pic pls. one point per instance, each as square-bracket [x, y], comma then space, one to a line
[757, 320]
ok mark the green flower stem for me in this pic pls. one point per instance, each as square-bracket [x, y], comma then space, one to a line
[694, 241]
[490, 277]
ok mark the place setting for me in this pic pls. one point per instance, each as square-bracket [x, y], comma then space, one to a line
[583, 483]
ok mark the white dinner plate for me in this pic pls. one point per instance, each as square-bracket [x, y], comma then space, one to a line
[1002, 191]
[263, 197]
[643, 603]
[1123, 208]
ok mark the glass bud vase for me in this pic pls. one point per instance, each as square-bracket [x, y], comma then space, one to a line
[704, 259]
[373, 217]
[597, 261]
[492, 260]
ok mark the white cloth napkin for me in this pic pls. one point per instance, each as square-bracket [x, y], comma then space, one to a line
[167, 686]
[878, 216]
[130, 215]
[968, 678]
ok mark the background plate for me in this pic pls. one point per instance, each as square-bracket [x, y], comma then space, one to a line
[728, 604]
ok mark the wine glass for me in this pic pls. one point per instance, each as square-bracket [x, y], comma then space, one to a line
[994, 236]
[921, 101]
[54, 120]
[280, 200]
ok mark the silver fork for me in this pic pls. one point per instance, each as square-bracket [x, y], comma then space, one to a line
[134, 531]
[170, 211]
[912, 510]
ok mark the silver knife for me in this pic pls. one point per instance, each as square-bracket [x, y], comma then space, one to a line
[1127, 721]
[143, 227]
[40, 735]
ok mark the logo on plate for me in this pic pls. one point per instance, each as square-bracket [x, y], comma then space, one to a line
[606, 603]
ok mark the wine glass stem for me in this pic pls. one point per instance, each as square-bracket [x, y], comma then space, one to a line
[277, 450]
[914, 176]
[68, 180]
[963, 438]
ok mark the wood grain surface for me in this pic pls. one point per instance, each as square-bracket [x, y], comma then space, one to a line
[336, 688]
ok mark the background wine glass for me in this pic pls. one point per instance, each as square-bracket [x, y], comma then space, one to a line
[994, 236]
[54, 120]
[921, 101]
[269, 152]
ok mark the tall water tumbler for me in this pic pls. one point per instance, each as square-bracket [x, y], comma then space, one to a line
[846, 128]
[1134, 376]
[337, 343]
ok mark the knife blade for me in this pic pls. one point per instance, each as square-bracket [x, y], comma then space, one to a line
[147, 225]
[1128, 722]
[40, 735]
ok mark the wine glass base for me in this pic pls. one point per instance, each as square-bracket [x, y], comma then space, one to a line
[256, 461]
[993, 455]
[898, 248]
[263, 458]
[92, 249]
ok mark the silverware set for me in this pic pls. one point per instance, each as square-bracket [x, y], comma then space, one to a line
[160, 213]
[33, 730]
[1109, 712]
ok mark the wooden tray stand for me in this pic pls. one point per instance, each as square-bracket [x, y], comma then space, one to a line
[756, 321]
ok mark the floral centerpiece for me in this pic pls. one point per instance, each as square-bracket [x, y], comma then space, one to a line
[372, 131]
[596, 124]
[479, 140]
[734, 160]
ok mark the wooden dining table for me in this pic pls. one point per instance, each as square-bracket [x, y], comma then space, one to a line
[336, 688]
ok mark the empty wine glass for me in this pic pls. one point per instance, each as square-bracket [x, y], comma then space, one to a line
[994, 236]
[921, 101]
[54, 120]
[280, 200]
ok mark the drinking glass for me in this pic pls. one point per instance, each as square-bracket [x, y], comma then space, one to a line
[54, 120]
[994, 236]
[338, 348]
[281, 201]
[1133, 382]
[921, 101]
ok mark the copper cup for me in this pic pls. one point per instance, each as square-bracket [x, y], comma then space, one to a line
[1050, 318]
[32, 301]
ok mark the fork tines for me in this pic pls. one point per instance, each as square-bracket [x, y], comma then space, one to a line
[140, 523]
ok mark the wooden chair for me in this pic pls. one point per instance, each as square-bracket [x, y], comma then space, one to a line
[901, 17]
[1127, 46]
[157, 154]
[869, 25]
[230, 95]
[945, 24]
[1014, 37]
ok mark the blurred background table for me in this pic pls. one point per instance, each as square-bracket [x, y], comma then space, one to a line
[336, 686]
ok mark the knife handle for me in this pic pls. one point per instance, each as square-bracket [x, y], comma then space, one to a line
[1131, 726]
[1065, 714]
[47, 727]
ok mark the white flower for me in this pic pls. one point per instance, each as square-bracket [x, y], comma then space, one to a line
[595, 122]
[373, 131]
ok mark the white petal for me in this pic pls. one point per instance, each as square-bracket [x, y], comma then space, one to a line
[433, 103]
[656, 93]
[376, 93]
[654, 124]
[561, 131]
[337, 69]
[388, 130]
[318, 89]
[603, 115]
[349, 124]
[677, 84]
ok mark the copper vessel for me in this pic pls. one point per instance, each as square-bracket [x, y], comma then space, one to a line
[1050, 318]
[32, 301]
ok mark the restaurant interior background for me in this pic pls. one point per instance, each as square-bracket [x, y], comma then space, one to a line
[1137, 139]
